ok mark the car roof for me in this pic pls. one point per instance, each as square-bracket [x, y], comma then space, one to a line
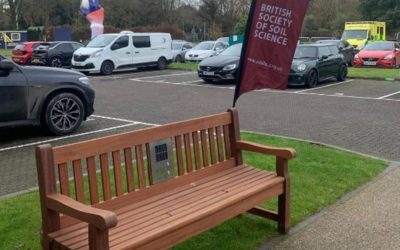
[314, 45]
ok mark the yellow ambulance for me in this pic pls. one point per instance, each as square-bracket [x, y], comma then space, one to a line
[359, 33]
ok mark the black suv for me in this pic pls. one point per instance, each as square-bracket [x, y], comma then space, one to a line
[55, 54]
[58, 99]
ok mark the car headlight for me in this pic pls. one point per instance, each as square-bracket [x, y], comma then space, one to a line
[229, 67]
[84, 80]
[388, 57]
[301, 67]
[97, 54]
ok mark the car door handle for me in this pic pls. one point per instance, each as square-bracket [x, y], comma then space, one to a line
[137, 52]
[128, 53]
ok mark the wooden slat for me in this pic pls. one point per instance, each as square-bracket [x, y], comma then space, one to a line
[149, 169]
[140, 168]
[227, 142]
[105, 176]
[91, 167]
[196, 148]
[204, 147]
[63, 177]
[111, 143]
[188, 153]
[78, 180]
[211, 140]
[179, 157]
[220, 146]
[117, 173]
[129, 169]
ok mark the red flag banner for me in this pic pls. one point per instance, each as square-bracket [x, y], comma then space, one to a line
[272, 32]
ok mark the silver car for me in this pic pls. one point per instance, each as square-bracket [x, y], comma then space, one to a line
[179, 49]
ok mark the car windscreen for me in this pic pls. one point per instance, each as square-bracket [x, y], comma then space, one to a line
[354, 34]
[379, 46]
[44, 46]
[177, 46]
[20, 47]
[204, 46]
[305, 52]
[101, 41]
[233, 50]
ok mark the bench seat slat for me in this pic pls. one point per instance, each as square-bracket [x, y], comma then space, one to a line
[177, 209]
[229, 176]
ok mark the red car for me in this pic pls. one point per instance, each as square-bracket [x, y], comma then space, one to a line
[22, 53]
[379, 54]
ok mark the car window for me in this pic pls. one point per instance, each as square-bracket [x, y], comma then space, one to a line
[187, 46]
[122, 42]
[141, 41]
[64, 47]
[76, 46]
[334, 49]
[219, 46]
[324, 51]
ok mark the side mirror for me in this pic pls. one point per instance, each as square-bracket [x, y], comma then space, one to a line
[340, 49]
[324, 57]
[5, 68]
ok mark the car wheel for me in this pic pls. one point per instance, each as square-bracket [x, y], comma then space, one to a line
[312, 79]
[342, 73]
[107, 68]
[395, 66]
[55, 62]
[178, 59]
[64, 113]
[161, 63]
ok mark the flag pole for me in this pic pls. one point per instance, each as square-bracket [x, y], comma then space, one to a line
[244, 50]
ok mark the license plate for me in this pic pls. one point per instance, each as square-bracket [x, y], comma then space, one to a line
[36, 60]
[370, 63]
[78, 64]
[206, 73]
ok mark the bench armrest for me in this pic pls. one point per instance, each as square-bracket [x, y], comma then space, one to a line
[101, 219]
[285, 153]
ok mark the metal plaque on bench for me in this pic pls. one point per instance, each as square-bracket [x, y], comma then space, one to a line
[162, 164]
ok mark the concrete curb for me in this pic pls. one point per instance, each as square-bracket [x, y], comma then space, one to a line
[301, 225]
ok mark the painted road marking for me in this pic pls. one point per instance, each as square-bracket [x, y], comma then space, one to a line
[325, 86]
[386, 96]
[130, 123]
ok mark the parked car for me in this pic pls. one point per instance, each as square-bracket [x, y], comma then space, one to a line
[127, 50]
[54, 54]
[58, 99]
[179, 49]
[204, 50]
[313, 63]
[222, 67]
[22, 53]
[343, 48]
[379, 54]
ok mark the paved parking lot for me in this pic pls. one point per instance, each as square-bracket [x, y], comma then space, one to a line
[360, 115]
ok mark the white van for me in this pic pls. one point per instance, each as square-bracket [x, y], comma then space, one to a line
[107, 53]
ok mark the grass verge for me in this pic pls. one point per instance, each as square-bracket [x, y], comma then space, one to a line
[320, 176]
[5, 52]
[363, 73]
[375, 73]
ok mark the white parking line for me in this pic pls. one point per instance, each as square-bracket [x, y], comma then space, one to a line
[177, 74]
[386, 96]
[325, 86]
[130, 123]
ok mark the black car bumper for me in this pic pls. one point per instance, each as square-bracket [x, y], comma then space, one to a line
[297, 79]
[217, 75]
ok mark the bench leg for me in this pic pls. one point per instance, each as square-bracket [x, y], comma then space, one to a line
[98, 239]
[284, 210]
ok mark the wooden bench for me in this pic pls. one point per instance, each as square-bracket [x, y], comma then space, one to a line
[99, 194]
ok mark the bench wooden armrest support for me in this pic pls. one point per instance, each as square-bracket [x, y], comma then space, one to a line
[101, 219]
[285, 153]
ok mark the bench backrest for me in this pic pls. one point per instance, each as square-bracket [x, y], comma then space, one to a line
[98, 170]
